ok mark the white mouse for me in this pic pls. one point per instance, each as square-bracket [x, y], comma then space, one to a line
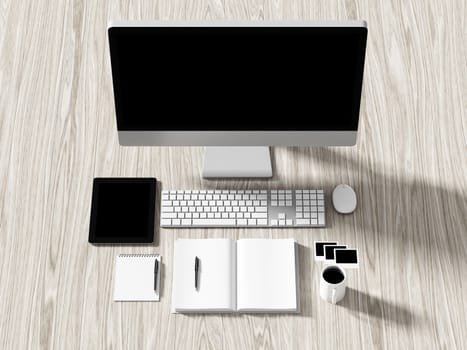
[344, 199]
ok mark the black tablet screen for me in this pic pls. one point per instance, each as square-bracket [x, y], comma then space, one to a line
[122, 211]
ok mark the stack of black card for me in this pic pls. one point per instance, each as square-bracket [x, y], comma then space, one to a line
[335, 253]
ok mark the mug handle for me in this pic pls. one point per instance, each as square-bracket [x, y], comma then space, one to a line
[333, 296]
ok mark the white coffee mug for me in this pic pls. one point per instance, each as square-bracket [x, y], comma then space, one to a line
[332, 284]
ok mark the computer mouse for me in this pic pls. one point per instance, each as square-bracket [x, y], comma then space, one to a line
[344, 199]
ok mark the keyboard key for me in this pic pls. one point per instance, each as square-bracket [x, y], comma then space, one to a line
[289, 222]
[176, 222]
[186, 222]
[167, 209]
[259, 215]
[274, 222]
[281, 222]
[166, 215]
[166, 203]
[303, 222]
[262, 222]
[166, 222]
[261, 209]
[241, 222]
[281, 216]
[321, 218]
[251, 222]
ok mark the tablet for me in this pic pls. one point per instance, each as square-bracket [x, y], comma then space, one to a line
[123, 210]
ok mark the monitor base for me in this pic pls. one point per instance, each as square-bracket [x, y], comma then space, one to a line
[235, 162]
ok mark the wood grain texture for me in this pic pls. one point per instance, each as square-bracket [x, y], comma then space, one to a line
[57, 132]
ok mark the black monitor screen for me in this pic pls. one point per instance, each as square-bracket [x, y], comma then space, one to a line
[237, 78]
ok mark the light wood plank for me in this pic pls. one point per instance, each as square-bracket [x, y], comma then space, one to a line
[57, 132]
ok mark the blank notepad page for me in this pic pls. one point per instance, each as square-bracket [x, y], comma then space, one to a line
[134, 277]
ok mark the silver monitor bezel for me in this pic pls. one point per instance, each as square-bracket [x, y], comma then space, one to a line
[237, 138]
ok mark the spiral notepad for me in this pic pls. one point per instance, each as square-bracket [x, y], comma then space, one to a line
[134, 277]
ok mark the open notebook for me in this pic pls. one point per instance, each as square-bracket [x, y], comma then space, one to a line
[248, 275]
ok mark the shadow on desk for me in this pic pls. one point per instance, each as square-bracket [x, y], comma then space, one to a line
[361, 303]
[410, 216]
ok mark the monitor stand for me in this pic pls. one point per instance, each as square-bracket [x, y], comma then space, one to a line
[237, 162]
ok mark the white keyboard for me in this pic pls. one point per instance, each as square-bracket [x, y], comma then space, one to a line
[242, 208]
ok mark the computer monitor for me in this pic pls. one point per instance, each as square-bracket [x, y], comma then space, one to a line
[237, 87]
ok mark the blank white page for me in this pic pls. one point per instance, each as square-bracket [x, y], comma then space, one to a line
[267, 275]
[134, 277]
[216, 290]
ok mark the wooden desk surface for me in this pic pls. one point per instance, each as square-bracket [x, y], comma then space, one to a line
[57, 132]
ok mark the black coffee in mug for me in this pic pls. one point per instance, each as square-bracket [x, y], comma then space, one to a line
[333, 275]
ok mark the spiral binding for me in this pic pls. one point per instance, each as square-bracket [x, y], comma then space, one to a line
[138, 255]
